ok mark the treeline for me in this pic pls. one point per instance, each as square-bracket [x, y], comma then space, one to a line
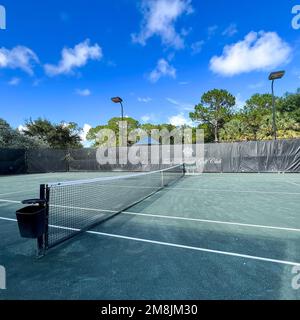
[222, 121]
[216, 113]
[40, 133]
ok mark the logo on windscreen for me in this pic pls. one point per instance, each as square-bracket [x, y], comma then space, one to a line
[2, 278]
[296, 19]
[2, 18]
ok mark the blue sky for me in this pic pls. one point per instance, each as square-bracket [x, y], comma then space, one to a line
[64, 60]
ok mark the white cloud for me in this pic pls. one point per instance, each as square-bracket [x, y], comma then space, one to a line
[85, 131]
[230, 30]
[239, 101]
[18, 58]
[181, 105]
[258, 51]
[197, 47]
[14, 81]
[159, 18]
[75, 58]
[180, 120]
[163, 69]
[22, 128]
[144, 100]
[146, 118]
[149, 118]
[83, 93]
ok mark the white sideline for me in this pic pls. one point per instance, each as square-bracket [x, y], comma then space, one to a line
[172, 217]
[294, 183]
[179, 246]
[166, 244]
[210, 221]
[234, 191]
[10, 201]
[16, 192]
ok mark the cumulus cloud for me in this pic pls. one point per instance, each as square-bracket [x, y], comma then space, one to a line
[258, 51]
[149, 118]
[14, 82]
[73, 58]
[163, 69]
[230, 31]
[159, 18]
[239, 101]
[85, 130]
[18, 58]
[84, 92]
[144, 100]
[22, 128]
[146, 118]
[180, 120]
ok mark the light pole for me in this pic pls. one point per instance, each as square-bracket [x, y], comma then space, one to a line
[272, 77]
[119, 100]
[123, 127]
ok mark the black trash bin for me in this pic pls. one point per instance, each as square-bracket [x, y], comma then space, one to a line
[31, 221]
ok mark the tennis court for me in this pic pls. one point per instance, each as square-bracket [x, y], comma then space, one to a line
[212, 236]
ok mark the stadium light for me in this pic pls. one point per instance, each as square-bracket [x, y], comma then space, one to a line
[272, 77]
[119, 100]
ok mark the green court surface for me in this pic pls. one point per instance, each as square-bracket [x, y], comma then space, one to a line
[213, 236]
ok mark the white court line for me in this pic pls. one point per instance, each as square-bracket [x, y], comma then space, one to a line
[178, 246]
[232, 191]
[210, 221]
[7, 194]
[10, 201]
[7, 219]
[173, 218]
[294, 183]
[180, 218]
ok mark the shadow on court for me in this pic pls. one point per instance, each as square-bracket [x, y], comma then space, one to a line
[205, 237]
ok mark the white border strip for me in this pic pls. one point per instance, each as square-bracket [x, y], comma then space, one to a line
[233, 191]
[294, 184]
[179, 246]
[210, 221]
[159, 216]
[17, 192]
[10, 201]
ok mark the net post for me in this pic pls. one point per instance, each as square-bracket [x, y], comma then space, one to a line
[42, 242]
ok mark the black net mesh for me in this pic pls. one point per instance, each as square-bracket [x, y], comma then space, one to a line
[74, 207]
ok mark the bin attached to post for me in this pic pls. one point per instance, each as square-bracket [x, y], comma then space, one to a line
[31, 219]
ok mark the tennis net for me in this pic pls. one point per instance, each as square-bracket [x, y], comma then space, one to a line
[77, 206]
